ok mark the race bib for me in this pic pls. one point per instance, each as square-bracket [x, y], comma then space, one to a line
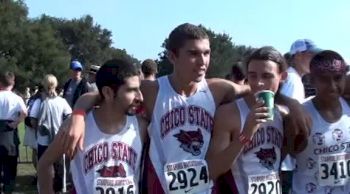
[265, 183]
[115, 185]
[189, 176]
[334, 170]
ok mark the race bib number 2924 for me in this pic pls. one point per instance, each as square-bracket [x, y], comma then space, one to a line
[189, 176]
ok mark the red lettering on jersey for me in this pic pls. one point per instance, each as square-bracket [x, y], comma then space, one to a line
[274, 136]
[176, 117]
[172, 119]
[123, 152]
[200, 117]
[95, 155]
[257, 140]
[268, 134]
[100, 153]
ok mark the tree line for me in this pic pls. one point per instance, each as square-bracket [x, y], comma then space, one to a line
[33, 47]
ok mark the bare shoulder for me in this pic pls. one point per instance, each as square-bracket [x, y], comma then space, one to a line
[218, 83]
[149, 85]
[219, 88]
[225, 91]
[227, 117]
[149, 88]
[143, 124]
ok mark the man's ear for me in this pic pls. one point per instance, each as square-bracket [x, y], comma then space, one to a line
[284, 76]
[171, 56]
[107, 93]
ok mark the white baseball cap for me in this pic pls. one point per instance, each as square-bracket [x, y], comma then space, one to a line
[302, 45]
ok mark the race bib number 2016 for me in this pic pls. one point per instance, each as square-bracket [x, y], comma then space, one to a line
[115, 185]
[334, 170]
[264, 184]
[190, 176]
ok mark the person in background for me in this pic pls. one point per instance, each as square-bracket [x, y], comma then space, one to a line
[12, 112]
[26, 95]
[301, 52]
[287, 56]
[92, 78]
[47, 115]
[76, 85]
[30, 139]
[149, 69]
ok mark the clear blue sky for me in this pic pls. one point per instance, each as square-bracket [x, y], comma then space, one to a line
[140, 26]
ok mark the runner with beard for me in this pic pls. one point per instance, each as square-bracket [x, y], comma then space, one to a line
[111, 159]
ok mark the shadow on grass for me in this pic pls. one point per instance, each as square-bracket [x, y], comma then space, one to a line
[24, 179]
[24, 184]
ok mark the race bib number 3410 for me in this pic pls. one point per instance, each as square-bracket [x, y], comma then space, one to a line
[189, 176]
[334, 170]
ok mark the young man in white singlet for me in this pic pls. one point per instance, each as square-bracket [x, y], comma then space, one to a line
[180, 108]
[244, 140]
[111, 159]
[323, 157]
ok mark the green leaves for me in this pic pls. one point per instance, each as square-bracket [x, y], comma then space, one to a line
[34, 47]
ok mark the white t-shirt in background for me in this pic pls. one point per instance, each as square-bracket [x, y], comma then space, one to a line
[59, 109]
[292, 87]
[10, 105]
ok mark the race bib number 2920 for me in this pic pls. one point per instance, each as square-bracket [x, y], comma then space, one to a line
[115, 185]
[264, 184]
[189, 176]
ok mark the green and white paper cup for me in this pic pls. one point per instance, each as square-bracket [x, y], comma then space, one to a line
[268, 97]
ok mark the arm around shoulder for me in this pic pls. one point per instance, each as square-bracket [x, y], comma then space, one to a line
[87, 101]
[225, 91]
[294, 142]
[76, 129]
[300, 121]
[297, 124]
